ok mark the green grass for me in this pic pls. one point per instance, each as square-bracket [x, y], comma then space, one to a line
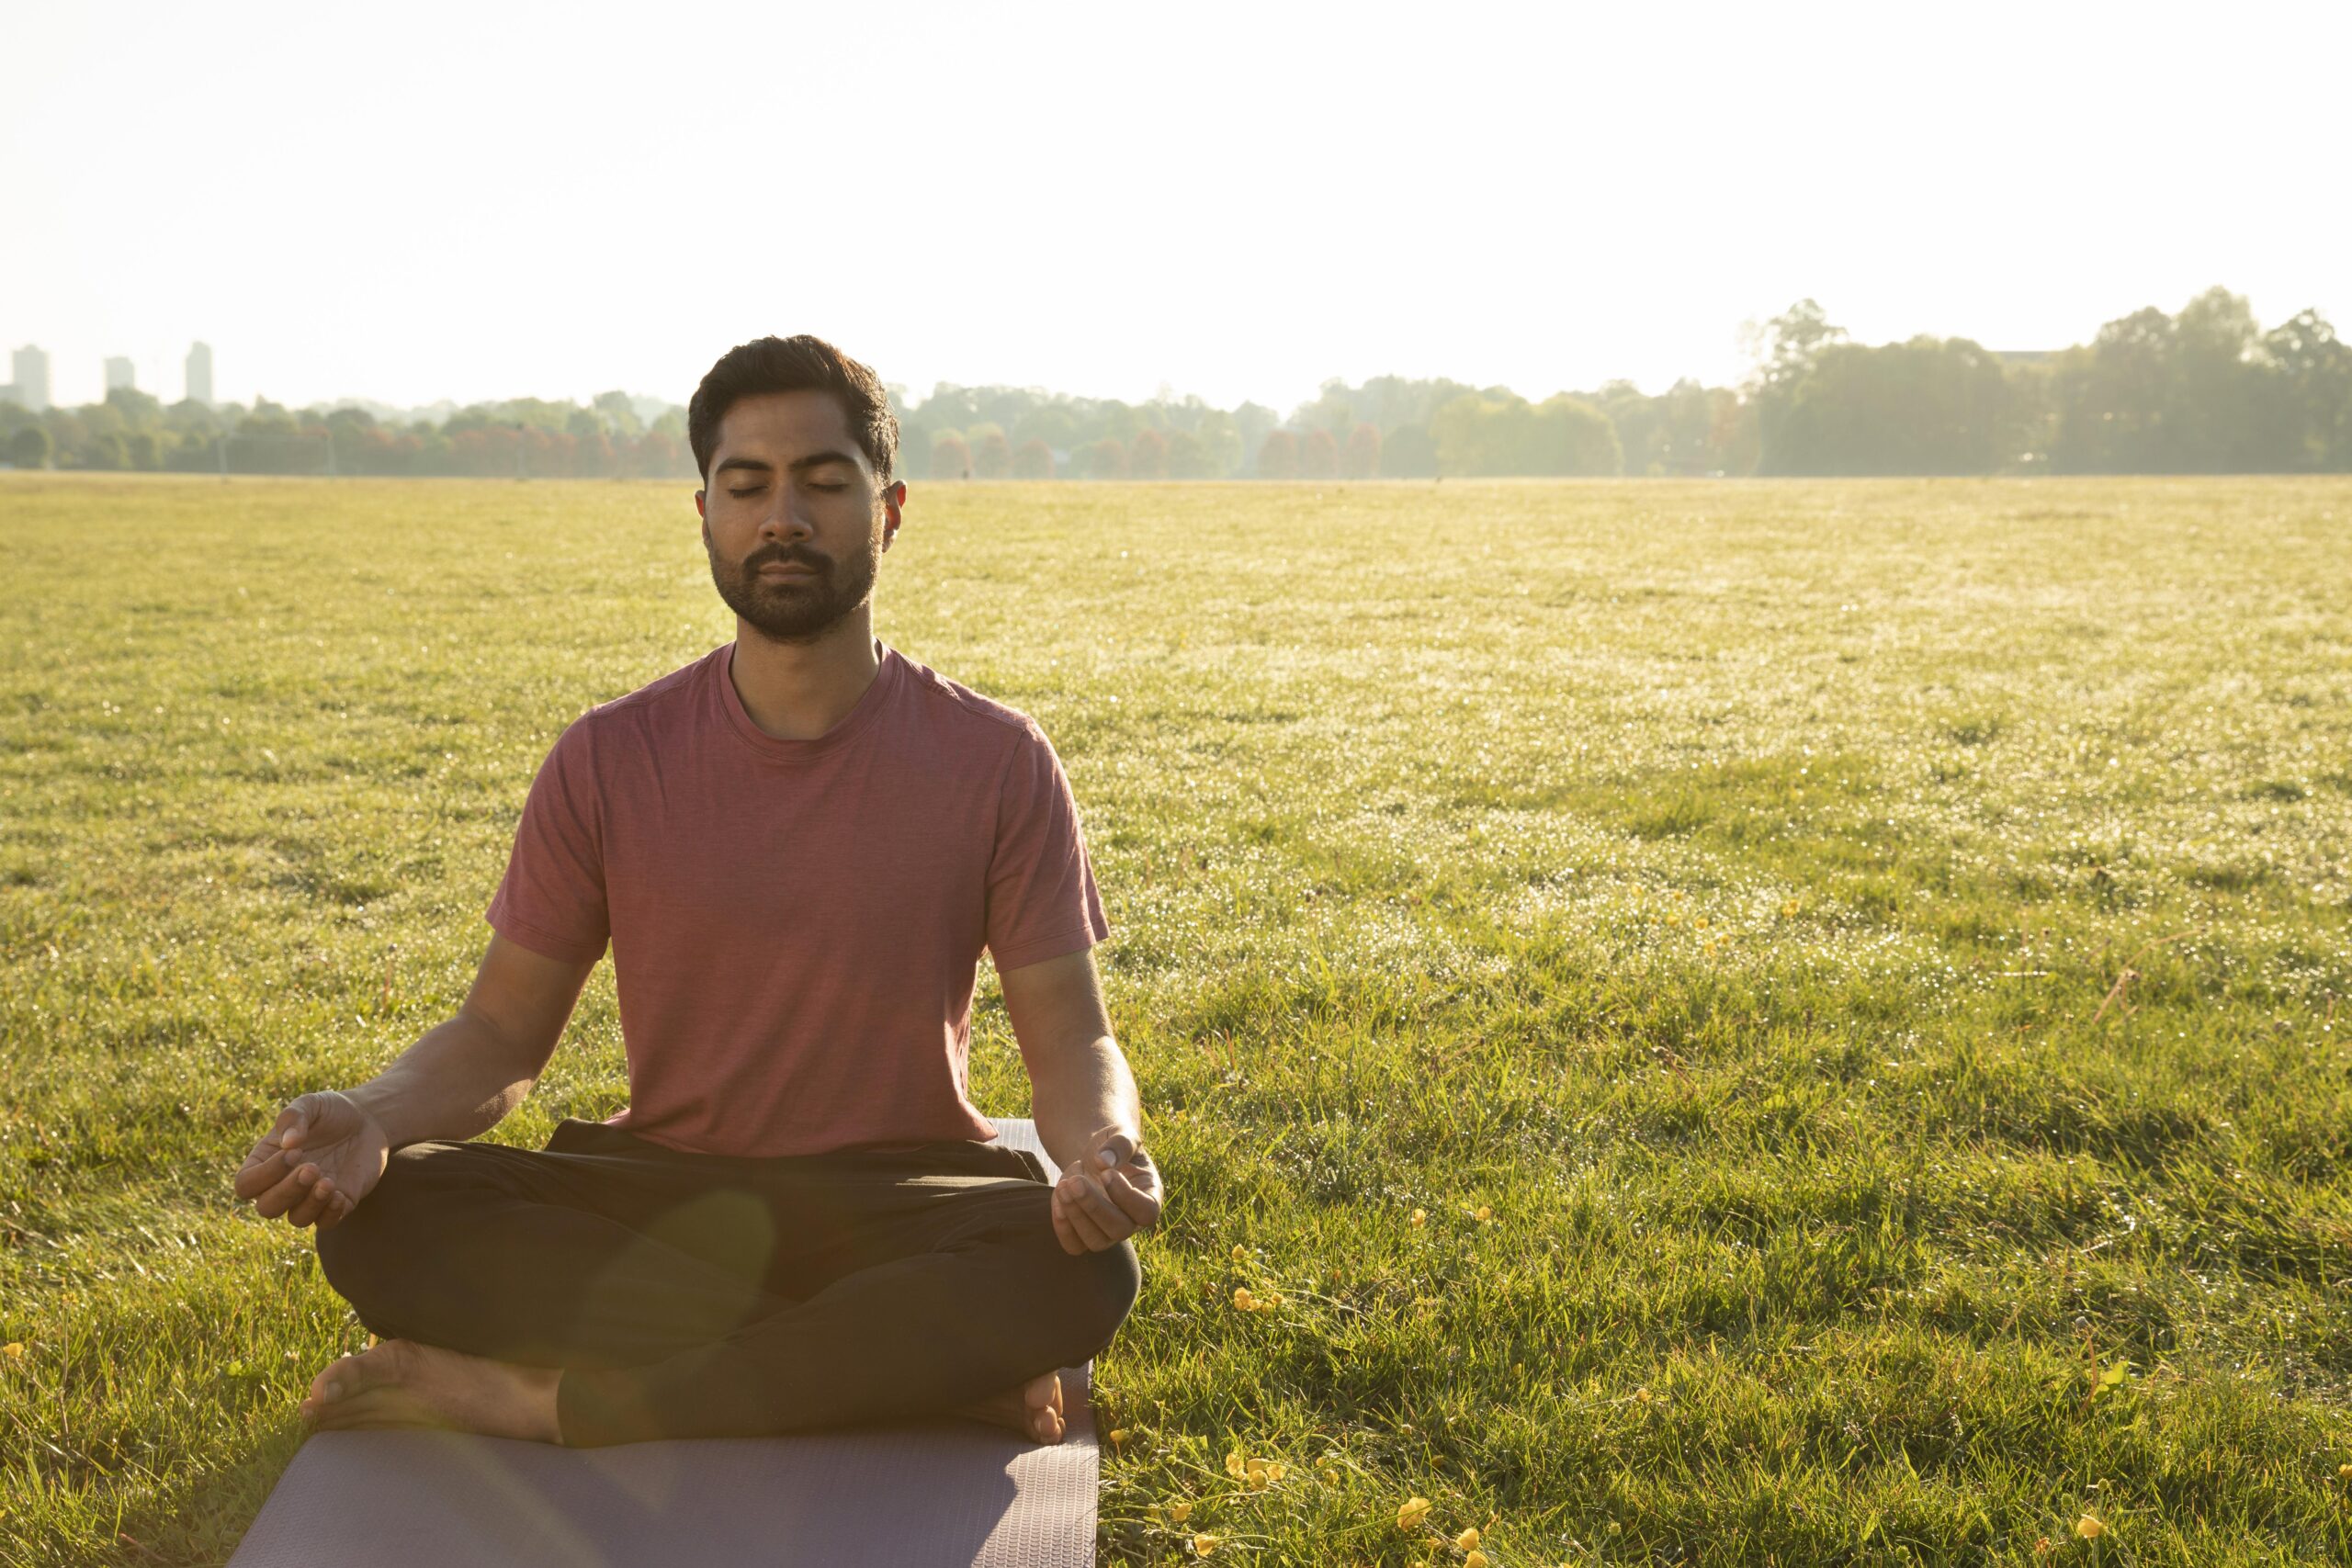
[1877, 950]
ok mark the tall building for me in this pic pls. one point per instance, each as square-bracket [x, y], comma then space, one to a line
[29, 367]
[199, 372]
[118, 373]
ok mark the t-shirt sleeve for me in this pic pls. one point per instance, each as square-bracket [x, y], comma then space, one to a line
[552, 897]
[1042, 899]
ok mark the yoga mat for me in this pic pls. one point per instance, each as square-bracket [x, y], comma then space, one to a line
[940, 1493]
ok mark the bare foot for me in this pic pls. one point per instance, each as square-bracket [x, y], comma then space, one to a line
[1034, 1410]
[399, 1382]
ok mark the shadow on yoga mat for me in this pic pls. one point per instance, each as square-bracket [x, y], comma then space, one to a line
[913, 1494]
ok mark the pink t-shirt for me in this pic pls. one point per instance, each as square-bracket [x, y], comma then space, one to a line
[796, 925]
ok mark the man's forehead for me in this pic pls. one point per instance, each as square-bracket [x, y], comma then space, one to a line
[782, 426]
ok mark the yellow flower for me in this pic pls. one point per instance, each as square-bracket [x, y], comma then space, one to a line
[14, 1350]
[1179, 1512]
[1420, 1216]
[1276, 1473]
[1475, 1559]
[1701, 922]
[1643, 1394]
[2345, 1470]
[1412, 1511]
[1257, 1476]
[2089, 1528]
[1485, 1213]
[1240, 1253]
[1468, 1538]
[1236, 1465]
[1118, 1436]
[1204, 1544]
[1789, 909]
[1243, 1299]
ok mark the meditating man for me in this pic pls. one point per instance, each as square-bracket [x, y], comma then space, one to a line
[796, 848]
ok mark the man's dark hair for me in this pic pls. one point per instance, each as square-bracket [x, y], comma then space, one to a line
[801, 364]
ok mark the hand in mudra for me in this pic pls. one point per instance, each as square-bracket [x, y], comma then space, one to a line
[1112, 1192]
[323, 1155]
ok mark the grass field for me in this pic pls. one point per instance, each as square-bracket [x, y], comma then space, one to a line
[1732, 1024]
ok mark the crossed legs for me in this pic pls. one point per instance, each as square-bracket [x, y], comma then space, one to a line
[616, 1290]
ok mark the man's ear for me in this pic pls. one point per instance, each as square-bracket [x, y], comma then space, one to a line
[703, 515]
[893, 499]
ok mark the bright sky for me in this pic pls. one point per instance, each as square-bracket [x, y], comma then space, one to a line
[484, 201]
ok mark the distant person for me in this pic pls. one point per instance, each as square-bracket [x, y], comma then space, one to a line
[796, 847]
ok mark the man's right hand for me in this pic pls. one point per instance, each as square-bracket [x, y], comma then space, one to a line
[323, 1155]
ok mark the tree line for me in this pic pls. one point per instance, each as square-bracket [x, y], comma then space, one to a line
[2205, 391]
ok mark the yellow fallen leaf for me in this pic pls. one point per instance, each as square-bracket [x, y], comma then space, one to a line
[1236, 1465]
[1243, 1299]
[1204, 1544]
[1118, 1436]
[1475, 1559]
[1276, 1473]
[1179, 1512]
[2089, 1528]
[1412, 1512]
[1468, 1538]
[1420, 1216]
[14, 1349]
[1240, 1253]
[1485, 1213]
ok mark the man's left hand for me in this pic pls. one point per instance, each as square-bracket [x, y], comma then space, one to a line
[1111, 1193]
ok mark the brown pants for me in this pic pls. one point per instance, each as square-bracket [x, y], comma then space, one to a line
[703, 1295]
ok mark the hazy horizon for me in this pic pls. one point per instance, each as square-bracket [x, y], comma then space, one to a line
[1236, 204]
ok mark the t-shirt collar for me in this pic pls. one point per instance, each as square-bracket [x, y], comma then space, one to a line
[780, 749]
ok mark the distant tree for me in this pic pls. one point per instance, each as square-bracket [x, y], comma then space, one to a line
[1032, 460]
[992, 456]
[1410, 451]
[30, 447]
[1103, 459]
[2308, 394]
[1929, 406]
[1278, 458]
[1500, 432]
[1252, 424]
[1220, 439]
[620, 415]
[143, 450]
[1318, 456]
[1361, 457]
[106, 450]
[1189, 457]
[950, 458]
[1148, 455]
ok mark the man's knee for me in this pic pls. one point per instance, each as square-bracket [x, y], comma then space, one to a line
[1104, 1291]
[375, 1257]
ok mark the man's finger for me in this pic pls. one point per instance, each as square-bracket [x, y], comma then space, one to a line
[313, 1203]
[1089, 1230]
[287, 1193]
[263, 1169]
[1138, 1206]
[1095, 1205]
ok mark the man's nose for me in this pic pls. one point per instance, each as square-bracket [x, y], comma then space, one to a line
[783, 520]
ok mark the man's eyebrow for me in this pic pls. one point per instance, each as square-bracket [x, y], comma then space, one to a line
[750, 465]
[818, 459]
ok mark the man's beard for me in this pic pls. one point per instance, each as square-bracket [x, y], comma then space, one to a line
[794, 609]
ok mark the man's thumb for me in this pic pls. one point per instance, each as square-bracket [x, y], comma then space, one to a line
[292, 1136]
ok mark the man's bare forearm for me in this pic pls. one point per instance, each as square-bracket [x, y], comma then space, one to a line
[458, 1081]
[1080, 1093]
